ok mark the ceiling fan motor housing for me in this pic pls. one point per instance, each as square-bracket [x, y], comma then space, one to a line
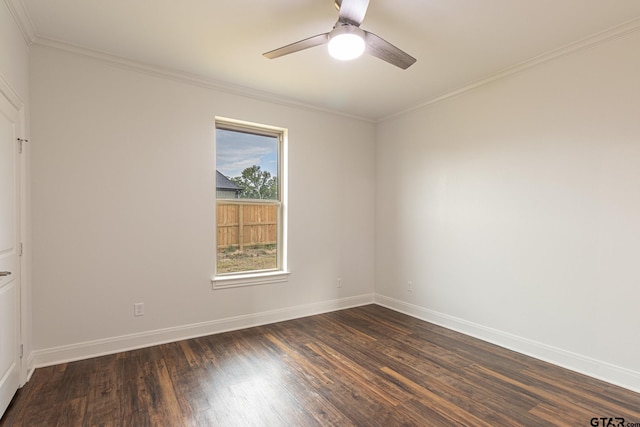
[346, 41]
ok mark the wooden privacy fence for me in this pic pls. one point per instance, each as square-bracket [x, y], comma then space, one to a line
[243, 224]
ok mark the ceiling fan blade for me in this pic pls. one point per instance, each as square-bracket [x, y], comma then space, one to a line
[299, 45]
[352, 11]
[384, 50]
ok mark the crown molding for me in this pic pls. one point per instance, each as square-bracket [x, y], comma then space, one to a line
[188, 78]
[23, 20]
[613, 33]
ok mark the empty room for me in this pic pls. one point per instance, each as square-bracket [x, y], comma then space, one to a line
[320, 212]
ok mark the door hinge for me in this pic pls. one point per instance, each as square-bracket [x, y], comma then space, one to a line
[21, 142]
[20, 250]
[21, 350]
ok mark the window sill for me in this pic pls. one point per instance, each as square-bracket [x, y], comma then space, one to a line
[252, 279]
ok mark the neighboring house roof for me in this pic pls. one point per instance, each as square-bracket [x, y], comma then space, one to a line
[224, 183]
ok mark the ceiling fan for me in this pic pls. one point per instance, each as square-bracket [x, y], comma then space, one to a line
[348, 41]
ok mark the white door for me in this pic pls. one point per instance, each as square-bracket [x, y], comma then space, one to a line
[9, 254]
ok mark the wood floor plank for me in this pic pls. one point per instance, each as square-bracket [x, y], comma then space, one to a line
[103, 402]
[436, 402]
[556, 416]
[365, 366]
[72, 412]
[584, 393]
[582, 406]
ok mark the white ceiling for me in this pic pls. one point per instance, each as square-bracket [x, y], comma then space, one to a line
[456, 42]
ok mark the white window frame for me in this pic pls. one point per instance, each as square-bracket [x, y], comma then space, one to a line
[258, 277]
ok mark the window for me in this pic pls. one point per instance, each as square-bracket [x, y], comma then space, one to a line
[250, 204]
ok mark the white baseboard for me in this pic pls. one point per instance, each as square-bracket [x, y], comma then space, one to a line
[594, 368]
[30, 368]
[585, 365]
[89, 349]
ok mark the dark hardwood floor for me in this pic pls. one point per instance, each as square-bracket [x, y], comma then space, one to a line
[366, 366]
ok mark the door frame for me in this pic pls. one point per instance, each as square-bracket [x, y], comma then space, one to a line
[24, 335]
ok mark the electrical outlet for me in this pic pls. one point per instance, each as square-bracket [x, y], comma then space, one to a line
[138, 309]
[339, 282]
[410, 286]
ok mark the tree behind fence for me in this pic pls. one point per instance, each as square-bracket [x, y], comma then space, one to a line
[246, 224]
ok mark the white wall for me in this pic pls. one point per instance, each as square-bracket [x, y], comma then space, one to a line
[515, 210]
[14, 55]
[123, 197]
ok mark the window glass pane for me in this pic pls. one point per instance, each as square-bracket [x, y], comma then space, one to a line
[250, 162]
[248, 193]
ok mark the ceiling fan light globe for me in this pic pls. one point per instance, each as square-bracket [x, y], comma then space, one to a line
[346, 43]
